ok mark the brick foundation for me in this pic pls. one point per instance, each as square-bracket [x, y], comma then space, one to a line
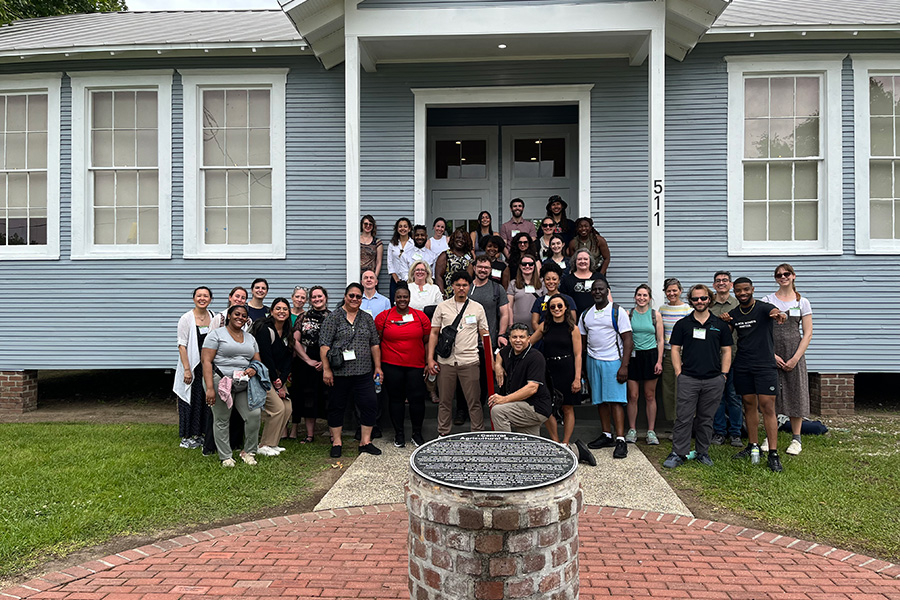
[493, 546]
[831, 394]
[18, 391]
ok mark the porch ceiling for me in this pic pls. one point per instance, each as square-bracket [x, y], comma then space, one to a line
[321, 23]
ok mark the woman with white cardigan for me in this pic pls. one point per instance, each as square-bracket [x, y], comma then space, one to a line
[193, 326]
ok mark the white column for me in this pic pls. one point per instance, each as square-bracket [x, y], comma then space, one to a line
[351, 141]
[657, 183]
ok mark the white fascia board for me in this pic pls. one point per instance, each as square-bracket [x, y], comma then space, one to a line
[794, 29]
[119, 51]
[504, 20]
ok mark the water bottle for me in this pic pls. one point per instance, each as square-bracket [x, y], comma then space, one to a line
[431, 377]
[378, 384]
[754, 455]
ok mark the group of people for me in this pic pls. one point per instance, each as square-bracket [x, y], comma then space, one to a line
[528, 314]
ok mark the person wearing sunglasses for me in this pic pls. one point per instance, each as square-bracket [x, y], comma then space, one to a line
[521, 245]
[352, 332]
[525, 289]
[729, 417]
[791, 341]
[546, 233]
[701, 355]
[517, 224]
[371, 249]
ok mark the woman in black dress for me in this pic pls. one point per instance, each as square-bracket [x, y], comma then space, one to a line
[562, 349]
[307, 384]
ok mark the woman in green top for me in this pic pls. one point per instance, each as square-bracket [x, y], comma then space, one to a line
[646, 364]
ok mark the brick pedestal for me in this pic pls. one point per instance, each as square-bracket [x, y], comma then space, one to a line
[493, 545]
[831, 394]
[18, 391]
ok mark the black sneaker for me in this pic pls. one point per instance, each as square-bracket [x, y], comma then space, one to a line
[704, 459]
[745, 453]
[672, 461]
[604, 441]
[336, 451]
[585, 455]
[417, 439]
[460, 418]
[717, 440]
[370, 448]
[775, 462]
[399, 441]
[736, 441]
[621, 450]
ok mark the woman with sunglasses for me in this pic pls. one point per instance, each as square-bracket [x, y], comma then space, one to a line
[311, 392]
[371, 249]
[547, 228]
[671, 312]
[483, 229]
[556, 253]
[792, 338]
[562, 349]
[552, 279]
[524, 290]
[351, 332]
[645, 366]
[521, 244]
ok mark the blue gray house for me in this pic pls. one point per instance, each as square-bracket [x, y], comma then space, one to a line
[144, 154]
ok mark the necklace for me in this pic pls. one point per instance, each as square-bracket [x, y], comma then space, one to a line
[749, 311]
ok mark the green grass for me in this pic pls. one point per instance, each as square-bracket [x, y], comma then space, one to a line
[843, 488]
[67, 486]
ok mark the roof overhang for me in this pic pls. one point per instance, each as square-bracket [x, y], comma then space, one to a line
[322, 23]
[802, 32]
[177, 50]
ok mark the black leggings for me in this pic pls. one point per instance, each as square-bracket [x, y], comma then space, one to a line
[355, 387]
[401, 384]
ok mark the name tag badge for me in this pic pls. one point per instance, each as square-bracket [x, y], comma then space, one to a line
[529, 289]
[699, 333]
[204, 330]
[496, 273]
[514, 233]
[588, 285]
[349, 354]
[407, 318]
[547, 298]
[794, 311]
[470, 319]
[417, 256]
[423, 292]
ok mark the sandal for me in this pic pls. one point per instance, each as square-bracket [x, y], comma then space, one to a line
[308, 440]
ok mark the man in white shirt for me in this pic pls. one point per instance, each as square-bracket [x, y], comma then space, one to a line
[418, 251]
[372, 302]
[517, 224]
[606, 335]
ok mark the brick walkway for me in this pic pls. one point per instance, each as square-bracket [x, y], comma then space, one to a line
[361, 553]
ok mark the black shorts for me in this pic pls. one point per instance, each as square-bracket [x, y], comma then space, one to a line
[640, 367]
[756, 380]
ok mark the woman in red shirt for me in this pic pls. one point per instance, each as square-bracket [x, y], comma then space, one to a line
[404, 332]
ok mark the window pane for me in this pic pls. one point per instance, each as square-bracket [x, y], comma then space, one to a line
[104, 188]
[214, 108]
[148, 188]
[781, 138]
[807, 137]
[881, 219]
[16, 112]
[553, 157]
[3, 128]
[235, 108]
[124, 148]
[806, 224]
[126, 189]
[104, 230]
[37, 150]
[780, 184]
[755, 221]
[15, 150]
[806, 180]
[882, 136]
[880, 179]
[215, 225]
[37, 112]
[37, 231]
[213, 147]
[238, 225]
[147, 155]
[101, 110]
[260, 225]
[18, 232]
[146, 109]
[881, 96]
[754, 181]
[897, 179]
[17, 190]
[807, 96]
[2, 196]
[756, 97]
[126, 225]
[215, 188]
[259, 108]
[148, 223]
[101, 148]
[897, 219]
[756, 138]
[37, 193]
[446, 154]
[238, 189]
[259, 147]
[780, 221]
[474, 159]
[123, 110]
[260, 188]
[236, 147]
[782, 96]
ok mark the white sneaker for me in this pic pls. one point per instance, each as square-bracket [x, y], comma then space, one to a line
[764, 447]
[228, 462]
[278, 449]
[248, 458]
[185, 443]
[794, 448]
[267, 451]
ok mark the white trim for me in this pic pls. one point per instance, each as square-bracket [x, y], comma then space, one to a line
[656, 184]
[828, 66]
[351, 150]
[83, 84]
[192, 80]
[863, 64]
[51, 84]
[120, 50]
[510, 96]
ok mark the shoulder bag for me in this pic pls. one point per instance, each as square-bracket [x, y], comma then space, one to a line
[447, 337]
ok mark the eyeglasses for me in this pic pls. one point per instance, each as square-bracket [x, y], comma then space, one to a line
[547, 224]
[526, 242]
[723, 280]
[527, 264]
[700, 298]
[354, 296]
[783, 275]
[557, 306]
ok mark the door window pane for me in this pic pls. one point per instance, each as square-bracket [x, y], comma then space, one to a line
[539, 157]
[461, 159]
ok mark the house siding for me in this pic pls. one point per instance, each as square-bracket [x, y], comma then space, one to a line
[855, 337]
[92, 314]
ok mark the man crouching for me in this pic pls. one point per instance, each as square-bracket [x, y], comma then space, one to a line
[523, 371]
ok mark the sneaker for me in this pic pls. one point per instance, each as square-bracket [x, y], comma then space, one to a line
[185, 443]
[745, 453]
[459, 419]
[764, 447]
[736, 441]
[248, 458]
[399, 441]
[370, 448]
[705, 460]
[672, 461]
[585, 455]
[775, 462]
[278, 449]
[621, 450]
[336, 451]
[652, 440]
[631, 436]
[604, 441]
[417, 439]
[717, 440]
[196, 443]
[228, 462]
[794, 448]
[267, 451]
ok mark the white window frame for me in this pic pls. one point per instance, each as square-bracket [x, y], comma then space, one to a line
[83, 246]
[49, 83]
[865, 65]
[193, 81]
[830, 195]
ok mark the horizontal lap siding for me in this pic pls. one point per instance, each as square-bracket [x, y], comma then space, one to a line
[848, 336]
[618, 144]
[123, 313]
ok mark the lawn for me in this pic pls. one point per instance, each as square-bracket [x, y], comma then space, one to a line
[64, 486]
[843, 489]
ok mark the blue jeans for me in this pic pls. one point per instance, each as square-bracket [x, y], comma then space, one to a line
[730, 416]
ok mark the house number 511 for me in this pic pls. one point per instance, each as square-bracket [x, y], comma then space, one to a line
[657, 192]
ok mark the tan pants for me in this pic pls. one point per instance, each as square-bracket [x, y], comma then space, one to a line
[517, 416]
[276, 414]
[468, 376]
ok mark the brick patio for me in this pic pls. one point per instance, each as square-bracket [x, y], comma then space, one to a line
[361, 553]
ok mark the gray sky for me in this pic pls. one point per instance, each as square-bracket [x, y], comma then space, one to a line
[200, 4]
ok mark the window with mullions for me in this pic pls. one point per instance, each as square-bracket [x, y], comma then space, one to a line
[539, 157]
[884, 157]
[23, 177]
[460, 159]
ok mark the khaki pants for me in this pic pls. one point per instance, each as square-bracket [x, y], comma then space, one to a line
[517, 416]
[277, 413]
[468, 376]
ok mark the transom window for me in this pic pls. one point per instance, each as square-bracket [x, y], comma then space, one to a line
[539, 157]
[460, 159]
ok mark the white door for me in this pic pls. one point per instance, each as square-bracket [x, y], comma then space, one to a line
[463, 175]
[538, 162]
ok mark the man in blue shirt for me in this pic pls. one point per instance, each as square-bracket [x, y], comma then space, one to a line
[372, 302]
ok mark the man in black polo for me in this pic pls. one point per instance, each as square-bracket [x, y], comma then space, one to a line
[701, 357]
[522, 371]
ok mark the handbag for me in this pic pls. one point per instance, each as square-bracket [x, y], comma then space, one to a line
[335, 357]
[447, 337]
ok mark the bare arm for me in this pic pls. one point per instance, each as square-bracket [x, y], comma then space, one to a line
[301, 352]
[660, 343]
[604, 253]
[676, 359]
[576, 351]
[504, 278]
[327, 374]
[627, 347]
[726, 360]
[520, 395]
[807, 323]
[440, 268]
[535, 325]
[433, 367]
[504, 324]
[379, 256]
[207, 355]
[376, 359]
[186, 363]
